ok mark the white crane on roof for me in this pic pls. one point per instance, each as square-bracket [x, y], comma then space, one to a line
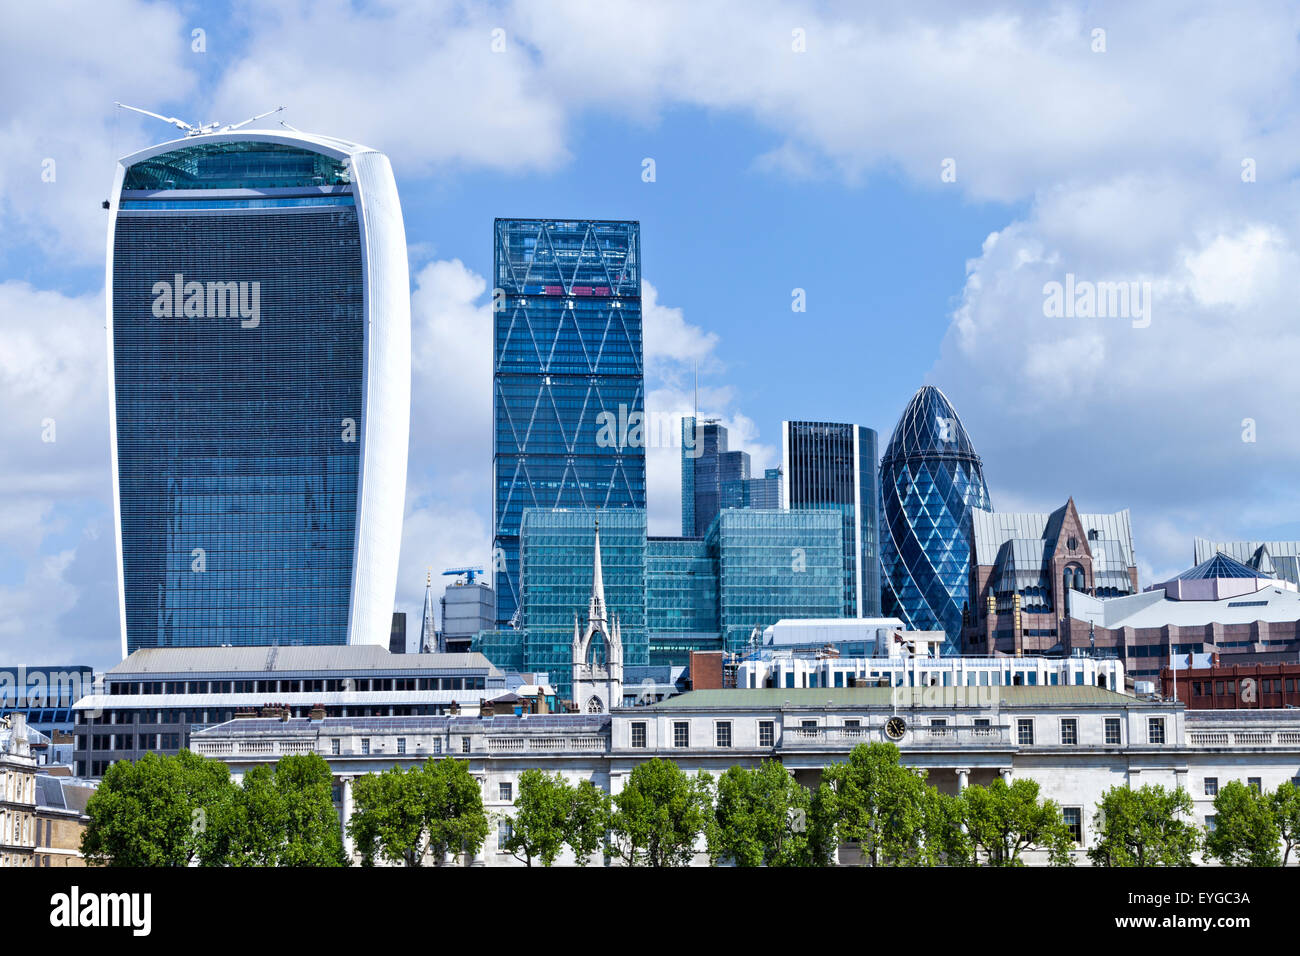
[191, 130]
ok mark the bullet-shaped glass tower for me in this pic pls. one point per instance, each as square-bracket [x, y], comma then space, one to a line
[930, 479]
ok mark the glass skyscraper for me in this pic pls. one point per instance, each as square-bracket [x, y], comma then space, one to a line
[930, 479]
[556, 572]
[568, 383]
[710, 470]
[832, 466]
[259, 364]
[774, 565]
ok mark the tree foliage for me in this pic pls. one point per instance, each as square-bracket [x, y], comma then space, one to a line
[660, 815]
[1286, 813]
[879, 804]
[1005, 820]
[550, 813]
[183, 809]
[1245, 831]
[435, 809]
[1149, 826]
[764, 818]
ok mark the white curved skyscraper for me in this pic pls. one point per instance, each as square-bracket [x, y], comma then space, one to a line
[259, 383]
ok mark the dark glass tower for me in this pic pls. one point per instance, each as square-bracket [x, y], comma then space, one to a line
[568, 381]
[930, 479]
[709, 471]
[259, 362]
[832, 465]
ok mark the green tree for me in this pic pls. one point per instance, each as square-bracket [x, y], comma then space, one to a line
[879, 804]
[1003, 821]
[660, 814]
[251, 828]
[157, 811]
[944, 842]
[588, 821]
[1286, 813]
[402, 815]
[310, 828]
[542, 810]
[1149, 826]
[1245, 831]
[761, 818]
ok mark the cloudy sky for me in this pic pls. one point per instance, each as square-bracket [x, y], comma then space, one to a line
[919, 170]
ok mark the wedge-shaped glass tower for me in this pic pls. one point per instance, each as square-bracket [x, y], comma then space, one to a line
[259, 381]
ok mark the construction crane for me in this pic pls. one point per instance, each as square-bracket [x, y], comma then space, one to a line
[202, 128]
[468, 572]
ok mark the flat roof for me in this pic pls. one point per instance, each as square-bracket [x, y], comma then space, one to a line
[159, 661]
[1015, 696]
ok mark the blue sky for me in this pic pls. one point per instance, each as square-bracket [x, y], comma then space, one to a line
[775, 168]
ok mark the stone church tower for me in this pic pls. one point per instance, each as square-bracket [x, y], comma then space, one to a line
[597, 687]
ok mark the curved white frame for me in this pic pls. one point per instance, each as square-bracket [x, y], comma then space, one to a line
[386, 383]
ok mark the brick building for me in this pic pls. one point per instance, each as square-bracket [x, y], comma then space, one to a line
[1023, 566]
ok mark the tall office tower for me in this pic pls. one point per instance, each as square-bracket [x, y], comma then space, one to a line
[259, 390]
[930, 480]
[832, 465]
[707, 468]
[568, 382]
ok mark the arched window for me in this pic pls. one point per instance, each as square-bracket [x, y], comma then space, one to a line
[594, 706]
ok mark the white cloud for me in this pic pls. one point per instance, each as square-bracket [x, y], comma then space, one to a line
[62, 65]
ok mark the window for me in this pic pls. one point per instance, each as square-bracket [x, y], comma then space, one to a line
[983, 727]
[638, 734]
[1025, 731]
[505, 830]
[1069, 731]
[767, 733]
[1073, 817]
[464, 745]
[1211, 822]
[1112, 732]
[852, 728]
[722, 733]
[401, 745]
[1155, 730]
[365, 745]
[1256, 783]
[505, 791]
[1211, 786]
[681, 733]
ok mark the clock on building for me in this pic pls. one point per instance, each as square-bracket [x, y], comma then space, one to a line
[895, 727]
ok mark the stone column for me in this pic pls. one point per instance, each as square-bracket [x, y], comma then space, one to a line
[348, 849]
[1006, 775]
[963, 778]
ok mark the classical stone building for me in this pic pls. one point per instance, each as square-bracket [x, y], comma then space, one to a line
[17, 793]
[1076, 741]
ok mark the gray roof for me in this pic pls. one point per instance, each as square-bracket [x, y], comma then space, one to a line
[776, 697]
[994, 528]
[1153, 609]
[161, 661]
[340, 726]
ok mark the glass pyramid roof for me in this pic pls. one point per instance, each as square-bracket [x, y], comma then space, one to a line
[1220, 566]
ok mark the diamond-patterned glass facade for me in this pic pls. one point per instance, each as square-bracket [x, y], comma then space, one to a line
[568, 379]
[930, 479]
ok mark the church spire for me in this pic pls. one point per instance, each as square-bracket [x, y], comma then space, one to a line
[428, 632]
[596, 608]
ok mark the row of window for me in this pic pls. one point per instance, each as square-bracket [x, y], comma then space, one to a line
[1267, 685]
[305, 686]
